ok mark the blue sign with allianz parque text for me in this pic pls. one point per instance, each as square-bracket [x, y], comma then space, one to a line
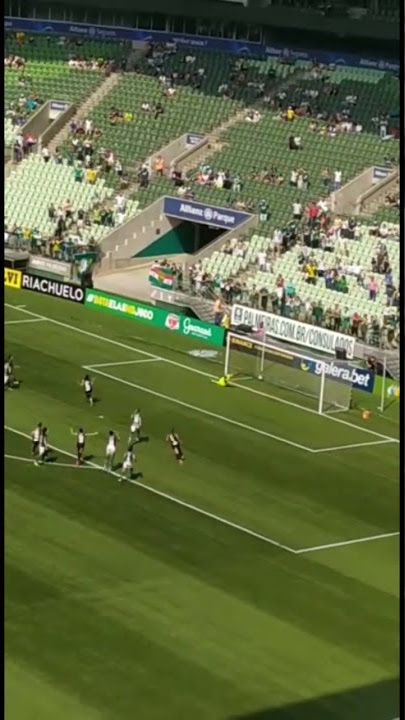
[221, 217]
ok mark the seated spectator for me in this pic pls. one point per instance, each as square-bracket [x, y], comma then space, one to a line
[253, 116]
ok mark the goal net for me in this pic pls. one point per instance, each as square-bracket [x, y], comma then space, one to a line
[321, 384]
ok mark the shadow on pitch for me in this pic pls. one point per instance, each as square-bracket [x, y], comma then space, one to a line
[51, 458]
[134, 475]
[373, 702]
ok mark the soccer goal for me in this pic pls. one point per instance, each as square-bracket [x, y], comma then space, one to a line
[326, 383]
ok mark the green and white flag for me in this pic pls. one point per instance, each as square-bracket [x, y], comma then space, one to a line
[84, 261]
[161, 277]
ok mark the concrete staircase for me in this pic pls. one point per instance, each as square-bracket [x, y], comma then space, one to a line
[377, 200]
[214, 144]
[204, 309]
[84, 110]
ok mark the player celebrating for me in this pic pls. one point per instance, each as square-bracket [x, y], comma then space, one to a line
[88, 389]
[80, 444]
[36, 436]
[110, 451]
[81, 437]
[127, 465]
[135, 430]
[174, 442]
[42, 447]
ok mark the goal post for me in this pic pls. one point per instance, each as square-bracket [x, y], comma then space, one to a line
[321, 384]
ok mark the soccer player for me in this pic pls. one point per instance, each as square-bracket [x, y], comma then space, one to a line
[174, 441]
[7, 378]
[135, 429]
[88, 389]
[36, 436]
[42, 447]
[80, 444]
[8, 373]
[9, 365]
[110, 451]
[81, 437]
[127, 465]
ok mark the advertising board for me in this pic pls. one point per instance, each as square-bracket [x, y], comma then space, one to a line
[155, 317]
[229, 45]
[359, 378]
[53, 288]
[12, 278]
[294, 331]
[220, 217]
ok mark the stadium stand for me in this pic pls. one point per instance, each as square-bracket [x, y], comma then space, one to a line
[286, 136]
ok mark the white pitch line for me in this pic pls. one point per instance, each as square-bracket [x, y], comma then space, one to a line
[49, 463]
[342, 543]
[198, 372]
[171, 498]
[354, 445]
[238, 424]
[20, 322]
[123, 362]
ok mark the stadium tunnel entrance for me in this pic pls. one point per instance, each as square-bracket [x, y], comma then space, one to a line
[182, 237]
[193, 226]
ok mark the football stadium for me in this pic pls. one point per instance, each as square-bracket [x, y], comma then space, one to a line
[202, 373]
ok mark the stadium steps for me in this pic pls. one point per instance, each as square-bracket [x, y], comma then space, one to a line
[214, 138]
[198, 157]
[85, 109]
[214, 143]
[377, 201]
[204, 309]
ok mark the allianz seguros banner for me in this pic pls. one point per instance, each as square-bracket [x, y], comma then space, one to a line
[294, 331]
[236, 47]
[154, 316]
[220, 217]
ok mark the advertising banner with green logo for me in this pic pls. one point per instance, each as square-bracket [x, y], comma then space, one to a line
[155, 317]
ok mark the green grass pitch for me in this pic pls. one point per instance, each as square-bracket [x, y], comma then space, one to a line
[258, 581]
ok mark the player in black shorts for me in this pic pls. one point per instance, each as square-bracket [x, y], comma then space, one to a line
[80, 443]
[174, 442]
[88, 389]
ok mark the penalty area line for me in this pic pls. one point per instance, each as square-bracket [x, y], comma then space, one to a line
[24, 322]
[354, 445]
[342, 543]
[172, 498]
[49, 463]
